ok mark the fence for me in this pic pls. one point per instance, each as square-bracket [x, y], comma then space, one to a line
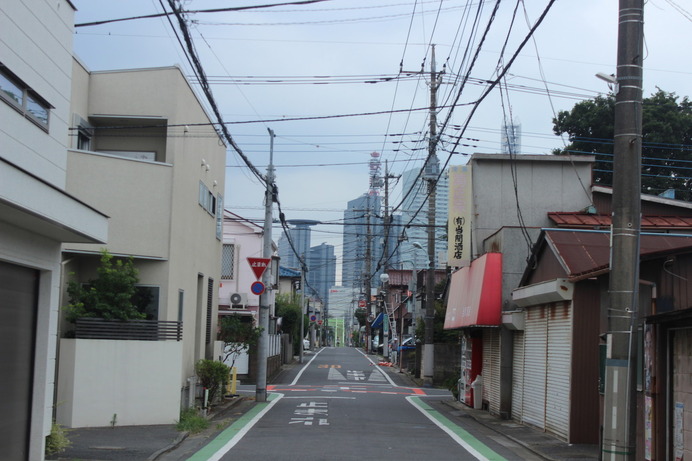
[133, 330]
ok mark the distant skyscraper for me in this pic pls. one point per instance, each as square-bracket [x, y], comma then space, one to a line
[322, 270]
[300, 235]
[511, 137]
[360, 214]
[415, 215]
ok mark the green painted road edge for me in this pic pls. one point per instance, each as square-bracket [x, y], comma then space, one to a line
[477, 448]
[213, 447]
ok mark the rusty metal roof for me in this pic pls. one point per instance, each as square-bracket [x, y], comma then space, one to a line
[581, 220]
[402, 276]
[583, 253]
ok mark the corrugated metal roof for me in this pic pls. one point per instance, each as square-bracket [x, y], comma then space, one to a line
[584, 252]
[589, 221]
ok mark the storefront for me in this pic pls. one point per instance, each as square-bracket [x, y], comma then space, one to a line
[474, 306]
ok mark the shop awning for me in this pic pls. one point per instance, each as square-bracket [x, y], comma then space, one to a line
[475, 295]
[377, 323]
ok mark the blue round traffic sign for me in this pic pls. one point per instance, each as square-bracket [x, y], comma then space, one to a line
[257, 288]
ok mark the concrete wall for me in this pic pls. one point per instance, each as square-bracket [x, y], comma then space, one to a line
[510, 241]
[135, 386]
[543, 183]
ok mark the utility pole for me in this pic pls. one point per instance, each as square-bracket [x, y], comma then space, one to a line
[263, 342]
[368, 279]
[385, 324]
[620, 402]
[431, 172]
[303, 311]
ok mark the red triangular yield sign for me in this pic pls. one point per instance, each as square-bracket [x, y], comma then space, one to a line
[258, 266]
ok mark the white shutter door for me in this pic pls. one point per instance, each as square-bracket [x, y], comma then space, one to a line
[517, 375]
[535, 341]
[559, 362]
[491, 369]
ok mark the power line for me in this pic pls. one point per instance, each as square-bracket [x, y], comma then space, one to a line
[199, 71]
[215, 10]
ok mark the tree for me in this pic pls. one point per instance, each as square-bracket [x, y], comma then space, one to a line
[112, 295]
[667, 140]
[237, 336]
[288, 308]
[361, 315]
[440, 335]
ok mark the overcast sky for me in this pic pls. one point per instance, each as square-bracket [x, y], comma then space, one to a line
[253, 60]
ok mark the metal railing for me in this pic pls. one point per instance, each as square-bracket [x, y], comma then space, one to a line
[132, 330]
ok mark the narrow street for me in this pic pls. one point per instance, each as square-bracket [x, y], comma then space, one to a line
[339, 405]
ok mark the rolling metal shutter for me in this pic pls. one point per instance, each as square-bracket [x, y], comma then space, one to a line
[558, 387]
[518, 375]
[535, 342]
[491, 369]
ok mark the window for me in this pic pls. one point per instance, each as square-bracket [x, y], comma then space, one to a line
[146, 299]
[227, 260]
[181, 303]
[207, 199]
[219, 216]
[23, 99]
[84, 132]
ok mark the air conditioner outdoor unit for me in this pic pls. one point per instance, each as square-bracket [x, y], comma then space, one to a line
[238, 300]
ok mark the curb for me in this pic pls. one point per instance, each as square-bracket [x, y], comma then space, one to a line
[183, 435]
[456, 406]
[154, 456]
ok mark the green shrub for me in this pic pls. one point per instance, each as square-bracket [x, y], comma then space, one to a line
[452, 383]
[213, 376]
[112, 295]
[57, 441]
[191, 421]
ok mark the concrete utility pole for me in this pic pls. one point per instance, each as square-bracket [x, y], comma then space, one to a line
[432, 170]
[367, 281]
[620, 409]
[263, 342]
[387, 223]
[303, 310]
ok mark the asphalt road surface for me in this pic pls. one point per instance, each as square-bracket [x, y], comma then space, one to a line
[340, 405]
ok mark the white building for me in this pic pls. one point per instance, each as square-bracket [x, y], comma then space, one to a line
[37, 215]
[242, 239]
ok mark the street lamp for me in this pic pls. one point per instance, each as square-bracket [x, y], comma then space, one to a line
[384, 278]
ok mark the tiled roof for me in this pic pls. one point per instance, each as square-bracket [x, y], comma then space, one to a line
[581, 220]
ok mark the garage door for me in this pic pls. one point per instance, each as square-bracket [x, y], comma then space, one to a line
[535, 358]
[518, 375]
[18, 301]
[557, 395]
[491, 369]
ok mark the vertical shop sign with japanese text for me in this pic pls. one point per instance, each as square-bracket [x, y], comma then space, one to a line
[460, 216]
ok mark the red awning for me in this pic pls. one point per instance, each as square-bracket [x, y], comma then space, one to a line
[475, 295]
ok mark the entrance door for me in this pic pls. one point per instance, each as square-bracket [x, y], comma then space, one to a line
[18, 304]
